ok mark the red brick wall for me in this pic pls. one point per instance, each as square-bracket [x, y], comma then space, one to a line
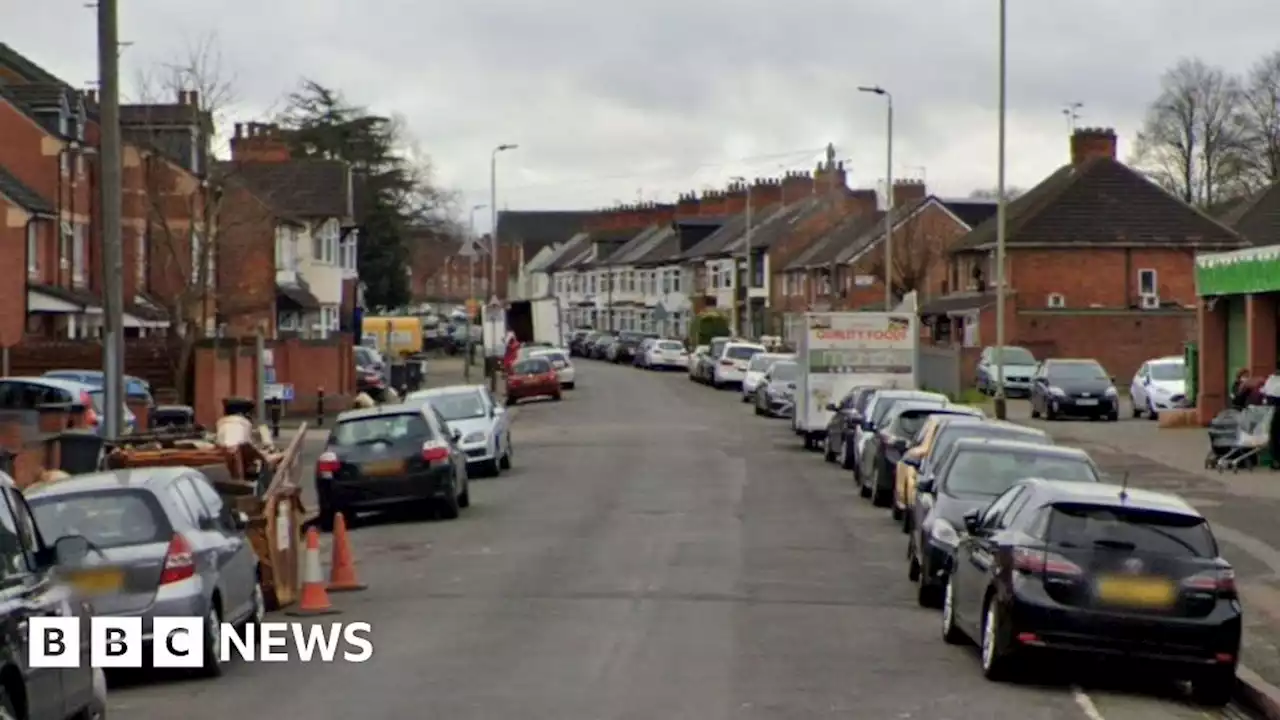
[229, 369]
[246, 246]
[13, 272]
[1120, 340]
[1111, 279]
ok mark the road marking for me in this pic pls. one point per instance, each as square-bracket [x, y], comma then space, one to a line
[1085, 703]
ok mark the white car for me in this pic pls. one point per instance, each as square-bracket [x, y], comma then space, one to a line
[756, 370]
[667, 354]
[1160, 384]
[730, 368]
[480, 419]
[560, 361]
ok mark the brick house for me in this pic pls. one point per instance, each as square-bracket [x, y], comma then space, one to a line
[440, 273]
[30, 222]
[522, 234]
[1099, 263]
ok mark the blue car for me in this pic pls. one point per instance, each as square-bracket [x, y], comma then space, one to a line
[28, 393]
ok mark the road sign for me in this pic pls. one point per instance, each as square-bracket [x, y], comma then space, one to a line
[271, 374]
[468, 249]
[494, 302]
[278, 391]
[659, 313]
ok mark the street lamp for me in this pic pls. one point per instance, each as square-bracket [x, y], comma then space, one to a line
[493, 215]
[750, 276]
[1000, 401]
[471, 289]
[888, 194]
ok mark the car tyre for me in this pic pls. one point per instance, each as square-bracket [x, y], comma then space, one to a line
[464, 500]
[995, 656]
[505, 462]
[1215, 687]
[759, 411]
[895, 512]
[327, 514]
[1137, 410]
[906, 520]
[846, 457]
[864, 490]
[449, 507]
[1151, 411]
[6, 708]
[1049, 414]
[211, 666]
[879, 498]
[828, 454]
[492, 468]
[951, 633]
[557, 397]
[1113, 417]
[570, 385]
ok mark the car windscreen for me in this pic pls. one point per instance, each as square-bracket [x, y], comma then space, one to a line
[554, 357]
[910, 421]
[531, 366]
[717, 347]
[1012, 356]
[106, 518]
[884, 406]
[989, 472]
[1082, 526]
[1076, 371]
[380, 428]
[671, 345]
[742, 352]
[948, 435]
[459, 405]
[1168, 371]
[784, 371]
[761, 362]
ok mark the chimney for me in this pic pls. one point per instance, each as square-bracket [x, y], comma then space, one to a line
[829, 176]
[1089, 143]
[688, 205]
[864, 201]
[713, 202]
[259, 143]
[907, 191]
[182, 97]
[796, 185]
[91, 97]
[766, 192]
[193, 98]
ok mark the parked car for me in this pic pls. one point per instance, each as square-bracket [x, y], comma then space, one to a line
[936, 439]
[530, 378]
[1074, 387]
[390, 455]
[973, 473]
[577, 339]
[1055, 567]
[878, 461]
[34, 589]
[696, 359]
[564, 368]
[706, 364]
[600, 347]
[135, 388]
[29, 393]
[838, 445]
[730, 366]
[369, 359]
[776, 396]
[1160, 384]
[483, 422]
[640, 358]
[627, 345]
[164, 544]
[875, 415]
[666, 355]
[1019, 367]
[756, 369]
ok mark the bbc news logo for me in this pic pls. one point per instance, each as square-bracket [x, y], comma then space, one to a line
[180, 642]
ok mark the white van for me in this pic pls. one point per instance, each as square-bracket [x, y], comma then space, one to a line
[730, 368]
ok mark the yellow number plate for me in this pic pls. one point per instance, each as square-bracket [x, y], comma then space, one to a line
[1137, 592]
[384, 467]
[97, 582]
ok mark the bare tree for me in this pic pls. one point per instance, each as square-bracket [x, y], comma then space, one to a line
[1193, 141]
[918, 253]
[1261, 114]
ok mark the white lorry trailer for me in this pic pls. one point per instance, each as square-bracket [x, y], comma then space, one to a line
[839, 351]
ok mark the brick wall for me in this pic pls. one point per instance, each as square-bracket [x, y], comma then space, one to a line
[1111, 278]
[146, 358]
[247, 262]
[1121, 340]
[13, 273]
[229, 368]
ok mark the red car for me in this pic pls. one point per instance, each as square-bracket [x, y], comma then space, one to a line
[532, 377]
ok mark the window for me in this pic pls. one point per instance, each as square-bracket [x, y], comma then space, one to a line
[1147, 282]
[676, 275]
[65, 238]
[288, 321]
[347, 250]
[330, 234]
[33, 250]
[80, 259]
[666, 282]
[286, 248]
[317, 244]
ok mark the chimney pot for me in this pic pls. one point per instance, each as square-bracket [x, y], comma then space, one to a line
[1089, 143]
[239, 131]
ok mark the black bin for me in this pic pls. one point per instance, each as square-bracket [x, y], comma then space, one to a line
[173, 416]
[79, 451]
[399, 376]
[239, 406]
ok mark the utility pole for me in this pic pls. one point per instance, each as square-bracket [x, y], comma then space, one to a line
[1000, 399]
[471, 290]
[493, 246]
[888, 194]
[751, 278]
[112, 269]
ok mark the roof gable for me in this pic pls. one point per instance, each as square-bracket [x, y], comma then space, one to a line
[1257, 219]
[535, 229]
[303, 188]
[22, 195]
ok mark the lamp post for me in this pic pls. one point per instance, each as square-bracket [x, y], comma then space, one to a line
[749, 276]
[493, 241]
[471, 288]
[1000, 398]
[888, 193]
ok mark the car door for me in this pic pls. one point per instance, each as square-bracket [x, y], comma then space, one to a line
[242, 562]
[215, 550]
[499, 421]
[458, 458]
[979, 554]
[1138, 389]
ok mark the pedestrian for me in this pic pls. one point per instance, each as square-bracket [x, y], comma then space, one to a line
[1242, 390]
[513, 349]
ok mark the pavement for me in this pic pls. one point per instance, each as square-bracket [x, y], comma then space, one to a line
[656, 551]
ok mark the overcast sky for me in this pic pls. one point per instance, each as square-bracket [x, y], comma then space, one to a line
[611, 101]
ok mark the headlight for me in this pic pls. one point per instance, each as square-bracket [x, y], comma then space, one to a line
[1111, 391]
[474, 437]
[942, 533]
[1056, 391]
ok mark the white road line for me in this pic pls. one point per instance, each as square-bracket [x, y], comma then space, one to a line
[1085, 703]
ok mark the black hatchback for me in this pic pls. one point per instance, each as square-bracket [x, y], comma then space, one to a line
[1080, 388]
[1100, 571]
[389, 455]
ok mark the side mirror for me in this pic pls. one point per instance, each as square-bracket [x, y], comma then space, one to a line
[239, 520]
[899, 444]
[456, 435]
[70, 549]
[868, 426]
[832, 407]
[911, 462]
[927, 485]
[971, 520]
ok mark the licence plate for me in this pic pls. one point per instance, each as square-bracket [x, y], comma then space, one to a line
[384, 467]
[557, 364]
[1086, 401]
[1137, 592]
[97, 582]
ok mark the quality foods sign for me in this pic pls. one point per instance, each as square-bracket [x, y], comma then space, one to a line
[863, 335]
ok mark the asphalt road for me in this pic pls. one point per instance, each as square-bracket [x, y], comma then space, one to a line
[657, 552]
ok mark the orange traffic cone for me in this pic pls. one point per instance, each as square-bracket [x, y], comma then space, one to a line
[313, 599]
[342, 571]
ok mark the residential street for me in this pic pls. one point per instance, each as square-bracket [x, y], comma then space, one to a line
[656, 552]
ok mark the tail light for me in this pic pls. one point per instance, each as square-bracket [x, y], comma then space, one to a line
[179, 562]
[1222, 582]
[434, 452]
[1039, 562]
[90, 415]
[327, 466]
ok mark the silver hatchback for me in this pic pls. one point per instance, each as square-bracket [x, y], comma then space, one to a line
[161, 543]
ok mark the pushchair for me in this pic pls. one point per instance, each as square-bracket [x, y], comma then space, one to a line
[1237, 438]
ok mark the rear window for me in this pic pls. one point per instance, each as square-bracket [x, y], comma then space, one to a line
[555, 357]
[761, 362]
[785, 371]
[991, 472]
[532, 366]
[948, 436]
[717, 347]
[380, 428]
[107, 518]
[1081, 526]
[742, 352]
[670, 345]
[910, 422]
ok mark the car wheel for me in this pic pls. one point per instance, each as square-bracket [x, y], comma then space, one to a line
[1035, 412]
[449, 508]
[6, 708]
[906, 520]
[879, 498]
[464, 500]
[863, 489]
[828, 454]
[928, 593]
[505, 463]
[995, 657]
[325, 520]
[1215, 687]
[557, 397]
[492, 468]
[951, 633]
[1113, 417]
[759, 411]
[913, 567]
[569, 385]
[212, 662]
[895, 512]
[1151, 411]
[1137, 409]
[1049, 413]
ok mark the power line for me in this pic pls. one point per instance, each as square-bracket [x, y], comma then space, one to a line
[675, 173]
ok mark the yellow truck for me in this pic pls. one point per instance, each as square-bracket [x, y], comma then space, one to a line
[393, 336]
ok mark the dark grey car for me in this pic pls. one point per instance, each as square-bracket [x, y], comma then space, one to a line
[1080, 388]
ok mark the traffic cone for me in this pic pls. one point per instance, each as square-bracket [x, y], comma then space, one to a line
[312, 599]
[342, 571]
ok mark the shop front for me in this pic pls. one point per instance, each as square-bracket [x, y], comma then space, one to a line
[1238, 294]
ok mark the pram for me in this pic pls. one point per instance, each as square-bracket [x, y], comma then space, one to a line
[1238, 437]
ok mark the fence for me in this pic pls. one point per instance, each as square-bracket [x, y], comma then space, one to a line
[147, 358]
[940, 369]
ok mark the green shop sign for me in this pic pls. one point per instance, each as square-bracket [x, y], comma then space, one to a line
[1239, 272]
